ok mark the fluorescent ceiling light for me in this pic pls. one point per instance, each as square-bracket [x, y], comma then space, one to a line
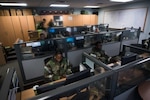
[91, 6]
[121, 0]
[59, 5]
[13, 4]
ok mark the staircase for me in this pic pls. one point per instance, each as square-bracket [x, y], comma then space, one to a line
[10, 54]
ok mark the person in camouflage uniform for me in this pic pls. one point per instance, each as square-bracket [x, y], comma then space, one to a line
[58, 67]
[100, 54]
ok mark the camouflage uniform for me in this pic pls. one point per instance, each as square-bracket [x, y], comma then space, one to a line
[100, 54]
[58, 69]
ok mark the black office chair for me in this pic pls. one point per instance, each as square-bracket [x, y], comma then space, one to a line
[47, 59]
[46, 69]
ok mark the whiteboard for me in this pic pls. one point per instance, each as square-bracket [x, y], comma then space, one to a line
[126, 18]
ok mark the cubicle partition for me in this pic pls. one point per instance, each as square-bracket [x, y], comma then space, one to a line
[106, 83]
[128, 77]
[130, 36]
[31, 55]
[96, 86]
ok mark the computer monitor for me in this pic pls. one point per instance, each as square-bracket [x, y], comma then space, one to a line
[51, 30]
[79, 41]
[127, 59]
[47, 45]
[33, 44]
[70, 40]
[93, 28]
[48, 87]
[36, 44]
[79, 37]
[77, 76]
[68, 29]
[69, 79]
[82, 29]
[90, 64]
[29, 44]
[74, 29]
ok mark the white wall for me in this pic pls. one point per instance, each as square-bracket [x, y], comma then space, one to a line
[144, 35]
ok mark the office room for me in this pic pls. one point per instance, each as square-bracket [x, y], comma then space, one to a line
[121, 27]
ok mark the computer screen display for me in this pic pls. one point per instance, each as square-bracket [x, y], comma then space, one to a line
[36, 44]
[51, 30]
[70, 40]
[93, 28]
[79, 37]
[127, 59]
[68, 29]
[29, 44]
[90, 64]
[79, 41]
[74, 29]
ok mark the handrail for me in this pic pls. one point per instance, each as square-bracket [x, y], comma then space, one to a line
[6, 84]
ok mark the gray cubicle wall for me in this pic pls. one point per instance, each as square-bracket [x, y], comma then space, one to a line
[33, 68]
[128, 42]
[127, 95]
[112, 49]
[75, 57]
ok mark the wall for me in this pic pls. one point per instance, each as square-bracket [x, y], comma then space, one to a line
[144, 34]
[68, 10]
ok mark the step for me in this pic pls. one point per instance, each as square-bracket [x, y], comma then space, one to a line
[14, 57]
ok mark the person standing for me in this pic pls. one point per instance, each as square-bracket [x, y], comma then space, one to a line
[51, 23]
[41, 24]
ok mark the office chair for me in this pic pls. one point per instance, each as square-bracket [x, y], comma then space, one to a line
[49, 77]
[47, 59]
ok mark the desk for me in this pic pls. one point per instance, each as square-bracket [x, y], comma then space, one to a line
[29, 93]
[144, 55]
[114, 64]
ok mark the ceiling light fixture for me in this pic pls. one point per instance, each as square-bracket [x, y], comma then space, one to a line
[91, 6]
[13, 4]
[59, 5]
[121, 0]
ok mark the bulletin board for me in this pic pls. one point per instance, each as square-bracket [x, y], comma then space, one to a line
[126, 18]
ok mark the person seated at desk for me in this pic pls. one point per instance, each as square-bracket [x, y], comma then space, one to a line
[42, 36]
[99, 53]
[58, 67]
